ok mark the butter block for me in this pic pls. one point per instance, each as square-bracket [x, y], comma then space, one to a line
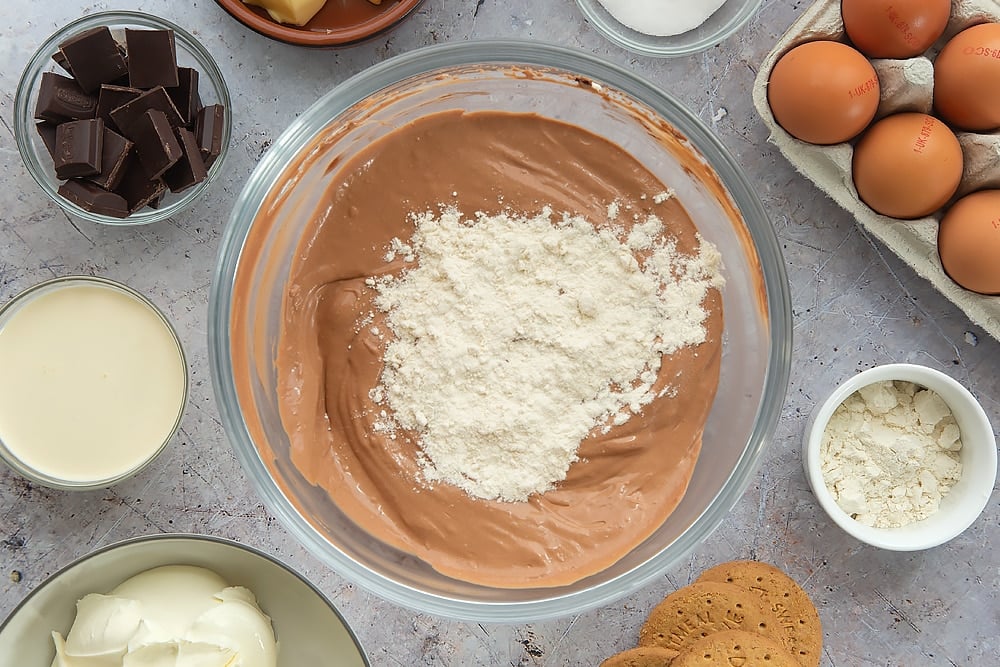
[294, 12]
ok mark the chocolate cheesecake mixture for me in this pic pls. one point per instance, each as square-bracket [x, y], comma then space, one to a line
[329, 358]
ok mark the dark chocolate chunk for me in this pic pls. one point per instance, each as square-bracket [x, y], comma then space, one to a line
[190, 169]
[47, 131]
[155, 142]
[156, 98]
[152, 58]
[185, 94]
[157, 201]
[95, 199]
[110, 98]
[79, 147]
[94, 58]
[208, 131]
[60, 58]
[136, 187]
[61, 98]
[116, 151]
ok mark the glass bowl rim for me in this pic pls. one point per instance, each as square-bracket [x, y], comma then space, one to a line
[498, 52]
[187, 537]
[28, 472]
[24, 116]
[657, 46]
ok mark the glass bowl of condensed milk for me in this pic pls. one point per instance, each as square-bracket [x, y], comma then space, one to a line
[510, 129]
[94, 382]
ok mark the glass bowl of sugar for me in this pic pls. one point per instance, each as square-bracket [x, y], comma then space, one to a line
[901, 456]
[668, 28]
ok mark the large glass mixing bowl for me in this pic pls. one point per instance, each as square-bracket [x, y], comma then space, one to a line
[289, 185]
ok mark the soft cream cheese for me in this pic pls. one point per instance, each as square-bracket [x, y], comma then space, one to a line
[170, 616]
[92, 385]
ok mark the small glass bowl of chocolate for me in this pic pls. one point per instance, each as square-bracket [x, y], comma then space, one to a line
[122, 118]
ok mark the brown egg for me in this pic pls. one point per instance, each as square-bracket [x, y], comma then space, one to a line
[967, 79]
[823, 92]
[907, 165]
[894, 28]
[969, 242]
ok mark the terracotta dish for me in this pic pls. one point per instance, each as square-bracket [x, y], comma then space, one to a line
[338, 23]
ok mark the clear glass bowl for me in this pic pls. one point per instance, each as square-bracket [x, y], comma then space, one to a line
[250, 285]
[25, 469]
[729, 18]
[309, 629]
[190, 53]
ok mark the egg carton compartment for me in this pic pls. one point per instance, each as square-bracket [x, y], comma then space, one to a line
[906, 85]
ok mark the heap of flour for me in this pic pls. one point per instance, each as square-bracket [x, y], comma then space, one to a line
[514, 337]
[890, 454]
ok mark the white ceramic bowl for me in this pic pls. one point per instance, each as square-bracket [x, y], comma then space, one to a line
[966, 500]
[309, 630]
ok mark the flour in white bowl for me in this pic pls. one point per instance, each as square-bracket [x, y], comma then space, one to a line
[890, 454]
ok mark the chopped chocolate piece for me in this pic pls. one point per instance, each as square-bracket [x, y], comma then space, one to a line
[155, 143]
[110, 98]
[47, 131]
[94, 58]
[208, 131]
[156, 98]
[190, 169]
[136, 187]
[60, 58]
[61, 98]
[116, 150]
[152, 58]
[79, 146]
[185, 94]
[92, 198]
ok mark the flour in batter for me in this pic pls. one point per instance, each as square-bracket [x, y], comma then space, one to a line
[515, 337]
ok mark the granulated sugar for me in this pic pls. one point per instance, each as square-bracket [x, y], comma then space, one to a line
[513, 338]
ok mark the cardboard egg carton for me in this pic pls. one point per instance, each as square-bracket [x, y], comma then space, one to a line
[906, 85]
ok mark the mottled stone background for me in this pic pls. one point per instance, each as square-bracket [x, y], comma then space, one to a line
[855, 306]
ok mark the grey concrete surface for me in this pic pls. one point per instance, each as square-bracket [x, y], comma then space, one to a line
[855, 306]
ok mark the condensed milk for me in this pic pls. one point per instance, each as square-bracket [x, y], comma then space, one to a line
[93, 382]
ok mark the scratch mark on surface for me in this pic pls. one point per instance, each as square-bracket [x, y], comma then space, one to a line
[813, 574]
[208, 414]
[78, 230]
[489, 647]
[895, 610]
[10, 131]
[909, 295]
[562, 637]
